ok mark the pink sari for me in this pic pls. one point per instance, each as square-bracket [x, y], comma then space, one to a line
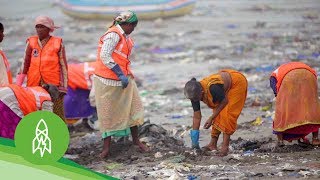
[8, 121]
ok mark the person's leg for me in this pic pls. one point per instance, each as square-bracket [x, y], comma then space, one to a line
[106, 147]
[212, 144]
[214, 140]
[135, 139]
[280, 140]
[315, 139]
[225, 145]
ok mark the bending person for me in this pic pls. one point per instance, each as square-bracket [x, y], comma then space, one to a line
[225, 93]
[76, 101]
[297, 112]
[16, 102]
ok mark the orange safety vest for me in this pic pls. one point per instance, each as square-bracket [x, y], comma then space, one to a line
[120, 56]
[6, 62]
[44, 62]
[30, 99]
[205, 84]
[281, 71]
[79, 75]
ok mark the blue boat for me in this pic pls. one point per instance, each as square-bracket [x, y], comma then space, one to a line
[107, 9]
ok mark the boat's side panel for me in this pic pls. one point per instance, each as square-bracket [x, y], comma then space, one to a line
[175, 8]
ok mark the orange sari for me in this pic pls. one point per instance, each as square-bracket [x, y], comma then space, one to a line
[226, 121]
[297, 105]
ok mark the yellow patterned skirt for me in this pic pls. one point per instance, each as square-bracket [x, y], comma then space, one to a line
[118, 109]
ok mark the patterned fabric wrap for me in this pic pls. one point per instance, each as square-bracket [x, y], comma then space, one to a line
[126, 17]
[118, 109]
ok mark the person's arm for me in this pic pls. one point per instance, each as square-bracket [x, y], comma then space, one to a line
[196, 115]
[194, 132]
[219, 97]
[25, 65]
[273, 85]
[27, 59]
[110, 42]
[64, 69]
[215, 113]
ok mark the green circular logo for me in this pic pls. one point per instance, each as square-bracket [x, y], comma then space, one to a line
[41, 137]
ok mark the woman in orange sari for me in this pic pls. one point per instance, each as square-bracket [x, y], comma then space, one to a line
[297, 112]
[225, 93]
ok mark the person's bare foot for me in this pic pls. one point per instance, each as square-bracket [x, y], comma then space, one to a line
[280, 143]
[141, 146]
[209, 148]
[315, 141]
[104, 153]
[223, 151]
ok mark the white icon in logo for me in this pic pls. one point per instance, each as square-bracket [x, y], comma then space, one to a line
[41, 141]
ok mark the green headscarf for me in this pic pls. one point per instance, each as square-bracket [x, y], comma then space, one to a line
[126, 17]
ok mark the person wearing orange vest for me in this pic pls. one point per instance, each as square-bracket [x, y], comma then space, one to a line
[17, 102]
[297, 112]
[76, 101]
[45, 61]
[5, 73]
[119, 107]
[225, 93]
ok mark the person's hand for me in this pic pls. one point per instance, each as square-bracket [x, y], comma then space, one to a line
[124, 81]
[194, 134]
[208, 123]
[63, 90]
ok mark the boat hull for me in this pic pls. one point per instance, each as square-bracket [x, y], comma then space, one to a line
[173, 9]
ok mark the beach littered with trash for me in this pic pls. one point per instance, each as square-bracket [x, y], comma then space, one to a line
[253, 37]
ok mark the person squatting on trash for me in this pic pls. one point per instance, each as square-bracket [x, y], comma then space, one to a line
[225, 93]
[119, 107]
[5, 73]
[297, 111]
[16, 102]
[45, 61]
